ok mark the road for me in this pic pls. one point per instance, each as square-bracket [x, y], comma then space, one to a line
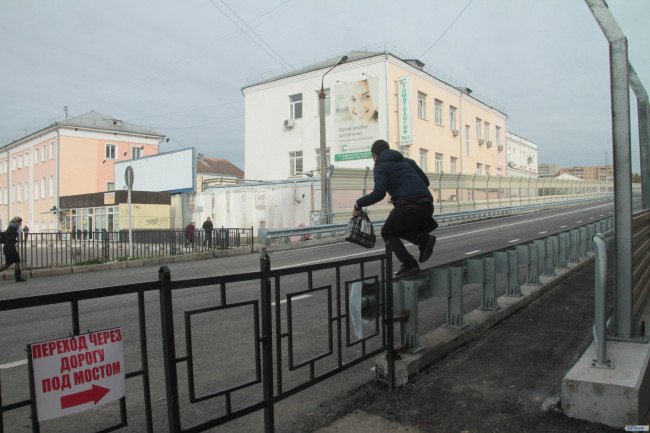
[223, 341]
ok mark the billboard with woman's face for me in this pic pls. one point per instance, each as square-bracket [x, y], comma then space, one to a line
[356, 119]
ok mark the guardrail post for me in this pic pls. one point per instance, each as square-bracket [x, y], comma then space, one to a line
[575, 237]
[582, 245]
[591, 231]
[482, 271]
[533, 265]
[455, 316]
[600, 305]
[169, 350]
[505, 262]
[549, 262]
[562, 256]
[409, 330]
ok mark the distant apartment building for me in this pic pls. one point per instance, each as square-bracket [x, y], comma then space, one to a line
[373, 95]
[67, 158]
[602, 172]
[548, 170]
[522, 156]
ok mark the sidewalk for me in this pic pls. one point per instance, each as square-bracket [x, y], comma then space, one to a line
[508, 380]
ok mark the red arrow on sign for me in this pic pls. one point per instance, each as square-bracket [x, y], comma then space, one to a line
[94, 394]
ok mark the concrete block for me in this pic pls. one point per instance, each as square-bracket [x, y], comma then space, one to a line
[150, 262]
[616, 397]
[135, 263]
[47, 272]
[117, 265]
[401, 369]
[101, 267]
[178, 259]
[167, 260]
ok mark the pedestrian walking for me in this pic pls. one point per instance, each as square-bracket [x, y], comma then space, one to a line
[412, 215]
[10, 251]
[189, 235]
[207, 226]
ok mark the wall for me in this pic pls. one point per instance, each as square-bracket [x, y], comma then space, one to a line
[145, 216]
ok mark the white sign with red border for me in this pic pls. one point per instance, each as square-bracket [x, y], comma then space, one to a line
[77, 373]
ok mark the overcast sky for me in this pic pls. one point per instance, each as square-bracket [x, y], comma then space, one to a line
[178, 67]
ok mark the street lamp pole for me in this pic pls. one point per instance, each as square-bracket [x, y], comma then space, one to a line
[323, 146]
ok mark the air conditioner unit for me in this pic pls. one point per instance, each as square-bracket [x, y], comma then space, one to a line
[455, 132]
[481, 141]
[489, 144]
[511, 164]
[500, 148]
[530, 159]
[288, 123]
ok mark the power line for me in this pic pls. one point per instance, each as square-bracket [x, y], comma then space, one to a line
[447, 29]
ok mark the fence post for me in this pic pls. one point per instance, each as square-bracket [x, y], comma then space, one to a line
[267, 343]
[169, 349]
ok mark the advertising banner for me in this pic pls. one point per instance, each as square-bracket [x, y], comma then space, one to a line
[404, 110]
[356, 115]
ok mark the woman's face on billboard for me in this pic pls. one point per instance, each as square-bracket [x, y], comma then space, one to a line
[360, 104]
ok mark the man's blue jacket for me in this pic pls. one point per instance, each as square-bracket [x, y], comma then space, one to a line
[400, 177]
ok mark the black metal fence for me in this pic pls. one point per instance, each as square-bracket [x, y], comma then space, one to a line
[280, 311]
[61, 249]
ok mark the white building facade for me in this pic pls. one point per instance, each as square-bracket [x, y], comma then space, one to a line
[522, 156]
[371, 96]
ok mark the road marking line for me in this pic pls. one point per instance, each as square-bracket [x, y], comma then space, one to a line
[295, 298]
[13, 364]
[542, 232]
[514, 240]
[472, 252]
[562, 227]
[578, 222]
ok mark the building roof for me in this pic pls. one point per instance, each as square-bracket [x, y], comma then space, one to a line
[217, 166]
[95, 120]
[568, 176]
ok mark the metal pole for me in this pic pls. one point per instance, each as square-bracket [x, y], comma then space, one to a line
[323, 146]
[620, 96]
[643, 113]
[267, 343]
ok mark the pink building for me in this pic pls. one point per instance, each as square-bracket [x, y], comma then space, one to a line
[66, 158]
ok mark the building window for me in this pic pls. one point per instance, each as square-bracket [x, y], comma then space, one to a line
[136, 152]
[423, 160]
[20, 161]
[452, 117]
[13, 163]
[488, 168]
[438, 112]
[35, 156]
[295, 106]
[26, 160]
[318, 162]
[51, 185]
[438, 163]
[295, 163]
[111, 151]
[43, 187]
[43, 153]
[479, 168]
[404, 150]
[327, 101]
[487, 132]
[1, 168]
[422, 105]
[51, 149]
[466, 139]
[13, 193]
[110, 186]
[478, 128]
[497, 135]
[453, 165]
[6, 198]
[26, 191]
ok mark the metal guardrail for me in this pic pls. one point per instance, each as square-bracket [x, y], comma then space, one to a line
[266, 235]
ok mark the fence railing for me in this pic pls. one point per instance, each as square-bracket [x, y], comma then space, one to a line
[62, 249]
[261, 315]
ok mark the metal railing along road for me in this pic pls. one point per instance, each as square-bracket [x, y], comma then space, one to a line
[62, 249]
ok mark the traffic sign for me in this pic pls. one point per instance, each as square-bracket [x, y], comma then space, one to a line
[77, 373]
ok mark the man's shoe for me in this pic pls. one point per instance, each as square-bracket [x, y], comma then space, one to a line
[408, 268]
[426, 252]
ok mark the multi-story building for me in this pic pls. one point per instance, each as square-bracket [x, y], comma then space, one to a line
[67, 158]
[548, 170]
[601, 172]
[372, 95]
[522, 156]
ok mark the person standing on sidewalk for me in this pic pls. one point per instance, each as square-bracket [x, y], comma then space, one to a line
[207, 226]
[412, 215]
[10, 250]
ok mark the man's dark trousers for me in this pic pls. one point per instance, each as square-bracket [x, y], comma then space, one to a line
[410, 221]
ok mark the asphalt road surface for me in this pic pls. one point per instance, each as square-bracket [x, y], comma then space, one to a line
[223, 341]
